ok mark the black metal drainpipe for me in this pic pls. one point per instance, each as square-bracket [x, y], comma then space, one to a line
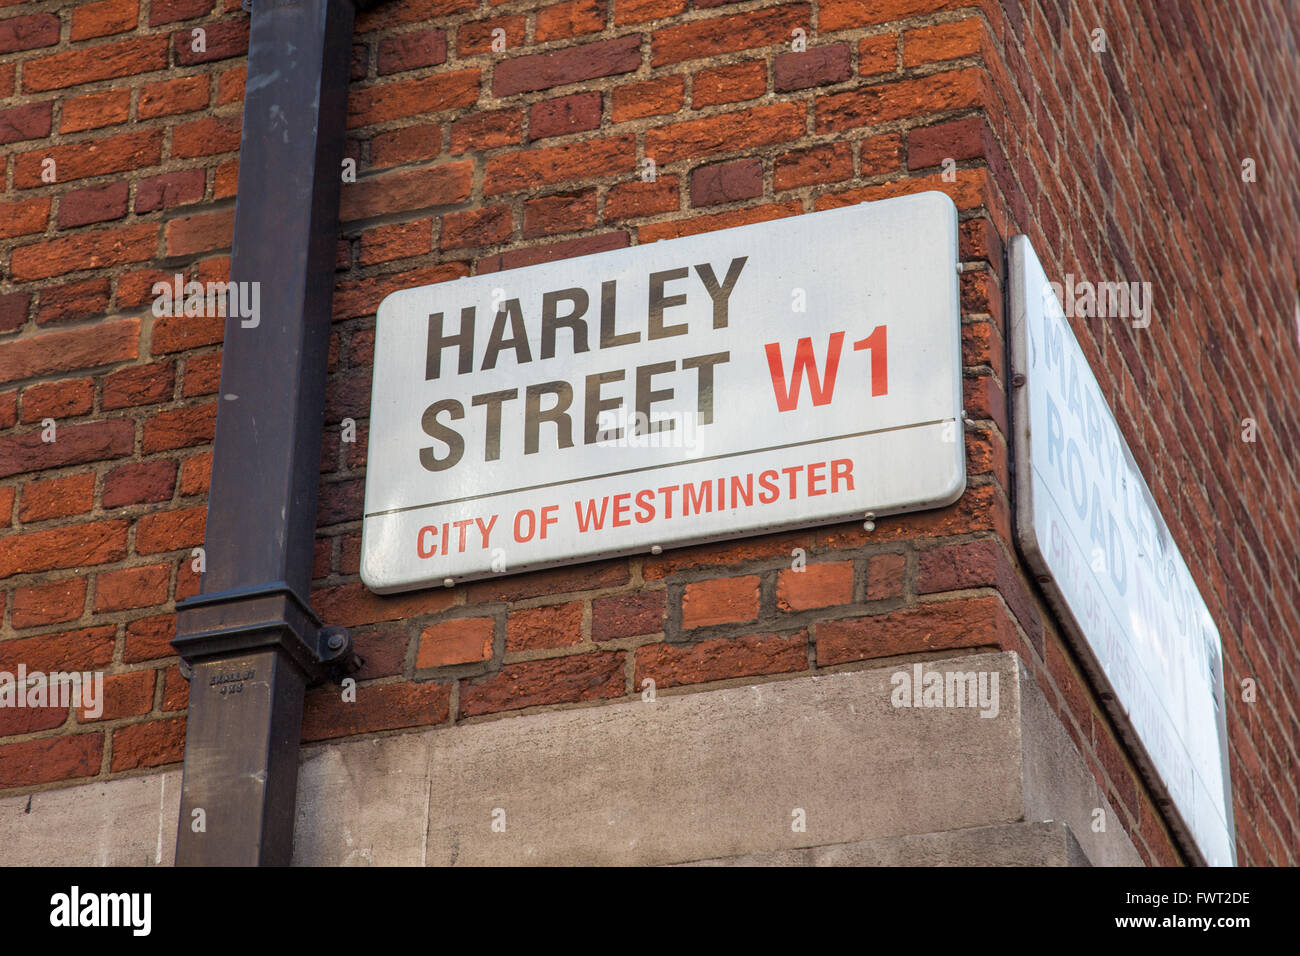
[249, 637]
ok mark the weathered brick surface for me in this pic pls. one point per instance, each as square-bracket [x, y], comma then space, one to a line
[465, 640]
[120, 170]
[669, 665]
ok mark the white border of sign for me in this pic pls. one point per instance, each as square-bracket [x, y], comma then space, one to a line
[1198, 809]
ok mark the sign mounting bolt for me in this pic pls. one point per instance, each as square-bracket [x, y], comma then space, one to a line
[655, 549]
[448, 582]
[870, 523]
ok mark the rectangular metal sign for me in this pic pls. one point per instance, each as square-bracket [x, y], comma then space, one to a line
[1088, 526]
[790, 373]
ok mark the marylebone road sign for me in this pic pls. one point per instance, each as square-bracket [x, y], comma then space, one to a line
[1088, 525]
[783, 374]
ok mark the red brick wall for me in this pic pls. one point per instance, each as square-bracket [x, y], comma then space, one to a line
[1119, 165]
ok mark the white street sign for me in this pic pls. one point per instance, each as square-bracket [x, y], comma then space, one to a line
[785, 374]
[1089, 527]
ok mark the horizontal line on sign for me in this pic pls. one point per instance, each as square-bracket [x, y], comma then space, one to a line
[667, 464]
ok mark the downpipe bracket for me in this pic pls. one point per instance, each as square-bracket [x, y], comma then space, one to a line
[247, 620]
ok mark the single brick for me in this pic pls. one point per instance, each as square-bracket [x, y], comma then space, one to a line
[49, 759]
[209, 136]
[965, 138]
[726, 182]
[405, 190]
[561, 212]
[562, 680]
[567, 114]
[73, 301]
[384, 707]
[463, 640]
[153, 743]
[882, 102]
[103, 61]
[104, 18]
[170, 530]
[542, 628]
[943, 41]
[14, 307]
[638, 198]
[625, 615]
[551, 165]
[95, 204]
[670, 665]
[396, 241]
[50, 603]
[715, 36]
[220, 41]
[407, 145]
[944, 625]
[757, 126]
[570, 19]
[111, 154]
[485, 130]
[885, 576]
[63, 399]
[139, 483]
[138, 385]
[179, 428]
[24, 217]
[132, 588]
[196, 472]
[29, 121]
[125, 695]
[184, 94]
[831, 163]
[540, 71]
[28, 33]
[642, 11]
[81, 650]
[170, 190]
[95, 111]
[149, 638]
[170, 11]
[880, 155]
[819, 66]
[409, 51]
[479, 36]
[476, 227]
[729, 84]
[720, 601]
[815, 586]
[878, 54]
[420, 96]
[57, 497]
[647, 98]
[87, 250]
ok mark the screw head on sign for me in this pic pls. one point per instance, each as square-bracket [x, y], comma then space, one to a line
[448, 582]
[655, 549]
[336, 642]
[869, 524]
